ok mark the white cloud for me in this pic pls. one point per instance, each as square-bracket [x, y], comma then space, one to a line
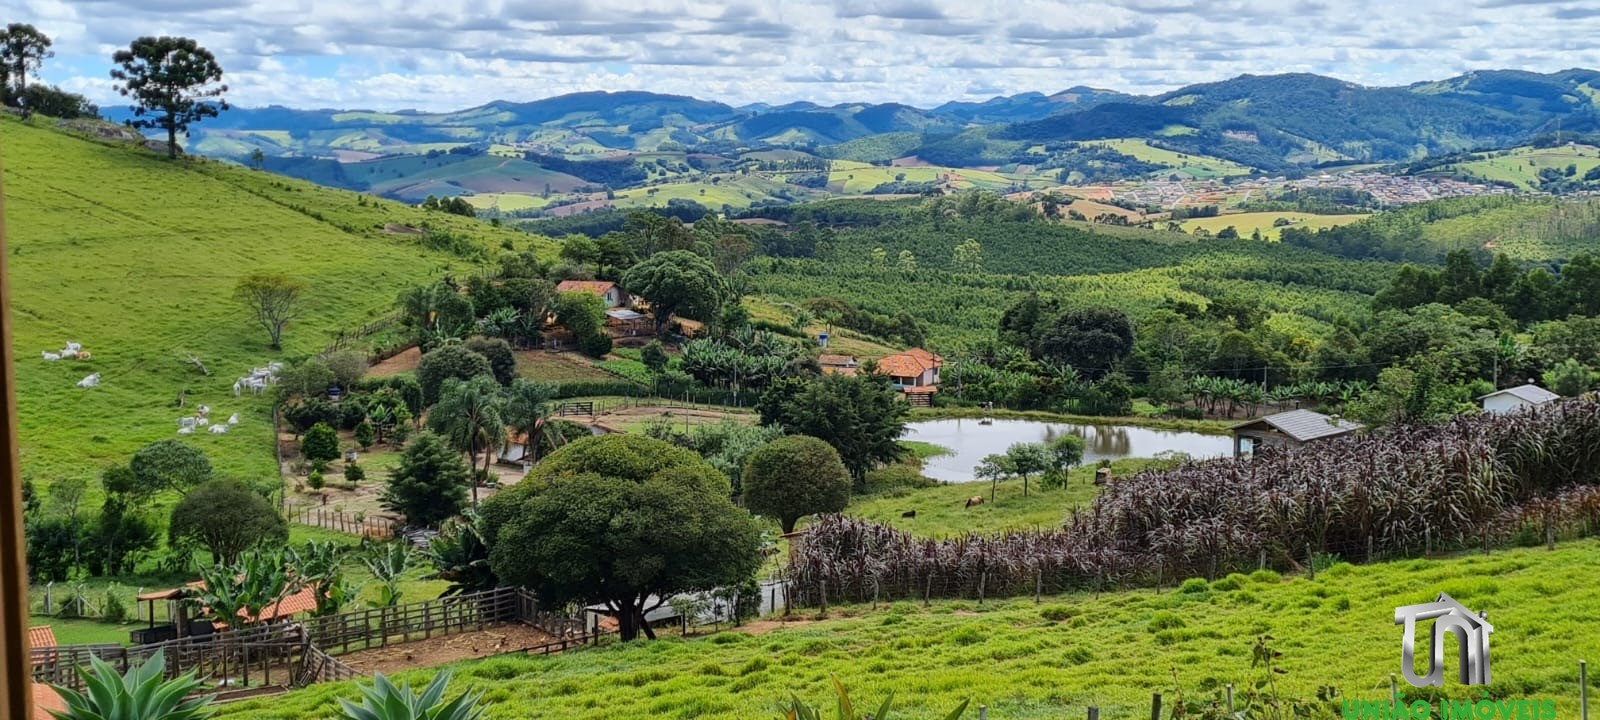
[390, 54]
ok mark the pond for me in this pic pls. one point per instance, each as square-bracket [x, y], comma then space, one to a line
[969, 442]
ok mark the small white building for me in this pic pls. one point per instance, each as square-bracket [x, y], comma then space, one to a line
[1516, 399]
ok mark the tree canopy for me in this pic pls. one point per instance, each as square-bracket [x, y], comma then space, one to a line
[228, 518]
[172, 82]
[859, 416]
[795, 476]
[430, 484]
[450, 361]
[624, 520]
[272, 298]
[676, 282]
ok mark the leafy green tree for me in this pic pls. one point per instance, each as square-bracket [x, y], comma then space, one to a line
[22, 50]
[228, 518]
[470, 415]
[57, 103]
[122, 532]
[795, 476]
[654, 357]
[502, 363]
[676, 282]
[272, 298]
[1411, 286]
[968, 257]
[1023, 322]
[1461, 278]
[1536, 296]
[1089, 340]
[620, 519]
[528, 407]
[429, 485]
[66, 501]
[168, 465]
[139, 694]
[365, 435]
[172, 79]
[321, 443]
[450, 361]
[581, 250]
[1063, 453]
[1570, 378]
[384, 700]
[1500, 278]
[584, 315]
[994, 467]
[861, 417]
[1027, 460]
[906, 262]
[1580, 284]
[348, 367]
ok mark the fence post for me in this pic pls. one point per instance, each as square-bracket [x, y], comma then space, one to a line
[1369, 548]
[1311, 561]
[49, 588]
[1394, 691]
[983, 712]
[1230, 698]
[1583, 690]
[1094, 713]
[1155, 706]
[1549, 534]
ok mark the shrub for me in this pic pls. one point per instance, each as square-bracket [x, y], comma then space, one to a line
[365, 435]
[1194, 585]
[450, 361]
[594, 344]
[226, 517]
[315, 480]
[383, 699]
[354, 473]
[114, 608]
[1226, 584]
[792, 477]
[502, 364]
[429, 485]
[1266, 576]
[1164, 620]
[321, 442]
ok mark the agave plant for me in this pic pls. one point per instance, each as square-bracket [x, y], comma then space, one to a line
[383, 700]
[139, 694]
[845, 708]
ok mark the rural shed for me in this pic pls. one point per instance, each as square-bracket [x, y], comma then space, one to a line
[1516, 399]
[1289, 429]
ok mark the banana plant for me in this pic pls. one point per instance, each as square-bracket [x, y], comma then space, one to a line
[139, 694]
[845, 708]
[383, 700]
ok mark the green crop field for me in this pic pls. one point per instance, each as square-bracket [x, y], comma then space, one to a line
[507, 202]
[1029, 661]
[136, 258]
[1521, 166]
[1250, 222]
[1199, 167]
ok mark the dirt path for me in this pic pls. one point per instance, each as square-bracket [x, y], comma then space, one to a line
[441, 650]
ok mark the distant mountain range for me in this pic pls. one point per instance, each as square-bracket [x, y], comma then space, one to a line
[1269, 122]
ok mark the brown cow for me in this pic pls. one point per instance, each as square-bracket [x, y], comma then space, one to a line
[974, 500]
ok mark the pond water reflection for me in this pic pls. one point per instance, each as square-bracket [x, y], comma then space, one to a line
[970, 441]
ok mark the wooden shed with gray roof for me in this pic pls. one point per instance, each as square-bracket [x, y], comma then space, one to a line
[1289, 429]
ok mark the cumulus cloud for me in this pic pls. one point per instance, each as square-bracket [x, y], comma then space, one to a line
[448, 54]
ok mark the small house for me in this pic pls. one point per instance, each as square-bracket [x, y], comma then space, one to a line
[612, 293]
[1516, 399]
[1289, 429]
[913, 370]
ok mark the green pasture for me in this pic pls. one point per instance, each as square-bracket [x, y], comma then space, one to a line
[1266, 222]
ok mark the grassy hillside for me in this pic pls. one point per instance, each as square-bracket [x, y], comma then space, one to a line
[136, 258]
[1521, 166]
[1266, 222]
[1033, 662]
[1199, 167]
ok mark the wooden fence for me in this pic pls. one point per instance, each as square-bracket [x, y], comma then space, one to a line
[380, 527]
[299, 653]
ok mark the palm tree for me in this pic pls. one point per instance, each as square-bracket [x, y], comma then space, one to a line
[528, 405]
[470, 416]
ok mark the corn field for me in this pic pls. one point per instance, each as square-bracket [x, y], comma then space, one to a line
[1470, 482]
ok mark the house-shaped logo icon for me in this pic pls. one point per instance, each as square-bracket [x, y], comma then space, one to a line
[1472, 636]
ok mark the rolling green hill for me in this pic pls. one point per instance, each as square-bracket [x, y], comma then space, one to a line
[136, 258]
[1029, 661]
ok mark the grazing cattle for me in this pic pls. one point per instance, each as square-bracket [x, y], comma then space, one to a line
[84, 355]
[909, 515]
[233, 419]
[974, 500]
[217, 429]
[186, 422]
[186, 430]
[201, 422]
[201, 411]
[90, 381]
[50, 356]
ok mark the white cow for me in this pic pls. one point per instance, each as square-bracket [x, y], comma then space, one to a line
[186, 422]
[233, 419]
[187, 430]
[50, 356]
[217, 429]
[201, 422]
[90, 381]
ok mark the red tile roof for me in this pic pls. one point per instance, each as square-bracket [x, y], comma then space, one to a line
[598, 287]
[41, 637]
[910, 363]
[46, 699]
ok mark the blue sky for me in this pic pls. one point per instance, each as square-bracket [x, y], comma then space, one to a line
[394, 54]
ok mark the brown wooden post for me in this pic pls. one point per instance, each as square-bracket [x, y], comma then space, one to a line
[1094, 713]
[16, 668]
[1155, 706]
